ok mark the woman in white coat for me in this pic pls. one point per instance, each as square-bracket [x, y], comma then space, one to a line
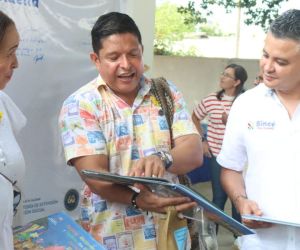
[12, 165]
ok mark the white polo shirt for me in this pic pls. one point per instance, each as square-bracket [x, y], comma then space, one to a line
[260, 132]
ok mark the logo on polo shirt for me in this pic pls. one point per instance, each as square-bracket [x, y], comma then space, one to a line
[265, 124]
[250, 126]
[261, 124]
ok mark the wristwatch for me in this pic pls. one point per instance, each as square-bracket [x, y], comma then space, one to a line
[133, 200]
[165, 157]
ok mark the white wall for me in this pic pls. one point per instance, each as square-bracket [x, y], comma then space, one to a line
[143, 13]
[196, 77]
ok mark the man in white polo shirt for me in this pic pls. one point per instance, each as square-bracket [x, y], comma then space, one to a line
[263, 130]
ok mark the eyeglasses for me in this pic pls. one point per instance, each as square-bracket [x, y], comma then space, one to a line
[224, 74]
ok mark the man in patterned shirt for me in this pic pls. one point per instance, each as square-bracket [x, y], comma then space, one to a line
[115, 124]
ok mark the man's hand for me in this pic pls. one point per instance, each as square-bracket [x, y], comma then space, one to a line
[149, 201]
[246, 206]
[224, 118]
[206, 151]
[149, 166]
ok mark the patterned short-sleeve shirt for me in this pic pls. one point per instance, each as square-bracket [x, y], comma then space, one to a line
[94, 121]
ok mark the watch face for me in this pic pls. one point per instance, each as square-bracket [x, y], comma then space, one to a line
[169, 156]
[168, 159]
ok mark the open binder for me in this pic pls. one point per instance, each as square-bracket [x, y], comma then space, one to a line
[165, 188]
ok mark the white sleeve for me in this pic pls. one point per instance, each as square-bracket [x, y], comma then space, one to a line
[233, 154]
[16, 117]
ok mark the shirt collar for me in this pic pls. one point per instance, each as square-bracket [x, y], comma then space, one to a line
[145, 84]
[100, 82]
[271, 93]
[268, 91]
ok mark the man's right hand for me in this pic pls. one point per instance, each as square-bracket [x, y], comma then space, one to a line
[246, 206]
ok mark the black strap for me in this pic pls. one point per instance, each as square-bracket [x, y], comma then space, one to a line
[12, 182]
[133, 200]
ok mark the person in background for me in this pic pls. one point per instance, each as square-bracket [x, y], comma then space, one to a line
[115, 124]
[258, 79]
[12, 165]
[216, 107]
[263, 129]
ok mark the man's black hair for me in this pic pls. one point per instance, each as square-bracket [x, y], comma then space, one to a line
[287, 25]
[110, 24]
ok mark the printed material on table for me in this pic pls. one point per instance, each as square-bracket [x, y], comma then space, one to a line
[269, 220]
[57, 231]
[165, 188]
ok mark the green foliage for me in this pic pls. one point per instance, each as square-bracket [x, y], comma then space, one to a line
[170, 26]
[258, 12]
[191, 14]
[192, 51]
[211, 30]
[162, 47]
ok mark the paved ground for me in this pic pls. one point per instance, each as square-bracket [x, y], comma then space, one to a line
[225, 237]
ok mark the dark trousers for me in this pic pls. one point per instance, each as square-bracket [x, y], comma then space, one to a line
[219, 195]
